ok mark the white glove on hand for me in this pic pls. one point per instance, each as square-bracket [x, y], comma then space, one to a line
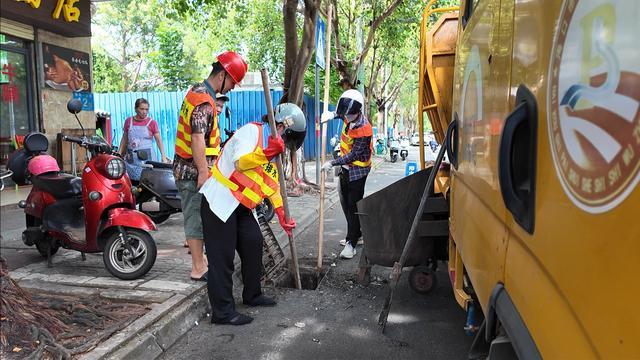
[327, 166]
[327, 115]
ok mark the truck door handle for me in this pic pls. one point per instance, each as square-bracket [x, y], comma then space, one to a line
[517, 159]
[451, 141]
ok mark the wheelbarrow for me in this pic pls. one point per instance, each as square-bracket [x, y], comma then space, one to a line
[385, 220]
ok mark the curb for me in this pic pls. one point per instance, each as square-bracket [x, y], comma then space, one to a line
[155, 332]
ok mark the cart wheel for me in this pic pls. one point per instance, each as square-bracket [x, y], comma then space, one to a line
[422, 279]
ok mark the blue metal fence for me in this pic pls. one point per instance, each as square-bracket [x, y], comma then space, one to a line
[245, 106]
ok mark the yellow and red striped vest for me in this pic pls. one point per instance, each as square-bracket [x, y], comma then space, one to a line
[251, 186]
[347, 138]
[183, 135]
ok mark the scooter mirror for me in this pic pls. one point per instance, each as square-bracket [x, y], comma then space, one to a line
[74, 106]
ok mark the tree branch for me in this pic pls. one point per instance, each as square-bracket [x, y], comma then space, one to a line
[386, 81]
[374, 26]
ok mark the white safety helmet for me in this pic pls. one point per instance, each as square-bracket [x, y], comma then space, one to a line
[351, 102]
[292, 117]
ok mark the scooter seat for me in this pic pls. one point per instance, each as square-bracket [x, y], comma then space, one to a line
[59, 185]
[159, 165]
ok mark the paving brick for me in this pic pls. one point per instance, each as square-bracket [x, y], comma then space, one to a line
[113, 282]
[164, 285]
[69, 279]
[136, 295]
[56, 288]
[17, 275]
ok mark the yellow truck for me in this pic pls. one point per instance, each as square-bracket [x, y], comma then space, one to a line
[544, 143]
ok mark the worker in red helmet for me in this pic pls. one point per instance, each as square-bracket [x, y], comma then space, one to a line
[198, 144]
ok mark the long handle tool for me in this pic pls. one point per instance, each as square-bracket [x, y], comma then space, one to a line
[398, 265]
[281, 178]
[327, 67]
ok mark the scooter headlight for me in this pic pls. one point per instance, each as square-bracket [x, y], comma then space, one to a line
[115, 168]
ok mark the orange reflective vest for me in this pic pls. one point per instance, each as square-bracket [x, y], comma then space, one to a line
[183, 135]
[251, 186]
[347, 138]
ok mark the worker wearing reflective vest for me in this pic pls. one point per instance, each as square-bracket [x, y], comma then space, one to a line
[240, 179]
[355, 162]
[183, 135]
[197, 144]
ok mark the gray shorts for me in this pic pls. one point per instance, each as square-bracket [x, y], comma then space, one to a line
[190, 199]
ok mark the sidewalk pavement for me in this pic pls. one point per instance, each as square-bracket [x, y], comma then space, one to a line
[176, 303]
[13, 194]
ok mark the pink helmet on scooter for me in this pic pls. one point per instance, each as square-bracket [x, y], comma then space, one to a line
[42, 164]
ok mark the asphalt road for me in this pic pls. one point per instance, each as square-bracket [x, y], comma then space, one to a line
[339, 319]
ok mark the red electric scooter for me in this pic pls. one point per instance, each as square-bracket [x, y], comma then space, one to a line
[95, 213]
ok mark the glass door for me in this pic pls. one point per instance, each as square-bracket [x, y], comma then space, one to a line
[16, 94]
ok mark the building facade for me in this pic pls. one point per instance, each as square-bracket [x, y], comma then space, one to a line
[45, 57]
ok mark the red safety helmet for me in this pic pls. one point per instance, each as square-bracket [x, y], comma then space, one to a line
[234, 65]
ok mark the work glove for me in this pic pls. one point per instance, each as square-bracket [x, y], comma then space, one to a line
[286, 226]
[327, 166]
[327, 115]
[275, 146]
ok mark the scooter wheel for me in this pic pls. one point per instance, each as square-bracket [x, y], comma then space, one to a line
[130, 260]
[422, 279]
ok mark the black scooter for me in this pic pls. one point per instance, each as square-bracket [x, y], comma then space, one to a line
[156, 192]
[393, 153]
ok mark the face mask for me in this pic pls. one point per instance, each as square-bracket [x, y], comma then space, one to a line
[351, 117]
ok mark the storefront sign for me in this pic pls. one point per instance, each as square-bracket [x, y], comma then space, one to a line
[66, 69]
[86, 98]
[65, 17]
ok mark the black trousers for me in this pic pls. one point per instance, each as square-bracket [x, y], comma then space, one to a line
[241, 232]
[350, 193]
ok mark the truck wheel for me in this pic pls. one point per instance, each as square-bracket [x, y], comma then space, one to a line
[422, 279]
[131, 258]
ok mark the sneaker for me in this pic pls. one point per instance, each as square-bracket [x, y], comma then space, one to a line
[348, 252]
[343, 242]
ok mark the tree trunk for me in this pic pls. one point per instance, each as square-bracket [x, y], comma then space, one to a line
[297, 58]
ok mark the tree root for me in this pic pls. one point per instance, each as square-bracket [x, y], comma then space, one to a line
[50, 326]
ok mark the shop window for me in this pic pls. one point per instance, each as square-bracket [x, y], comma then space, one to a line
[16, 90]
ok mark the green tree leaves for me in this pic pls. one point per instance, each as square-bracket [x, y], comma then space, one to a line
[107, 72]
[175, 62]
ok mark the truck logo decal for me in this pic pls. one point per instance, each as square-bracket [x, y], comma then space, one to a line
[594, 102]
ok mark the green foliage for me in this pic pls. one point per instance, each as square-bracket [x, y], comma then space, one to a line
[107, 72]
[175, 62]
[334, 88]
